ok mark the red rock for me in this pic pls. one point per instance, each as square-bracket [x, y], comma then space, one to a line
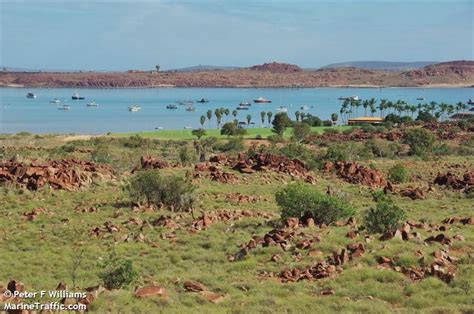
[150, 291]
[194, 286]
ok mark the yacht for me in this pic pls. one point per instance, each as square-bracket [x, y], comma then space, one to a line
[186, 103]
[172, 106]
[261, 100]
[64, 107]
[420, 98]
[242, 108]
[304, 107]
[55, 101]
[76, 96]
[203, 100]
[93, 104]
[282, 109]
[245, 104]
[470, 102]
[30, 95]
[190, 108]
[134, 108]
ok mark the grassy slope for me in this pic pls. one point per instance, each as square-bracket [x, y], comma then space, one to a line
[39, 253]
[186, 134]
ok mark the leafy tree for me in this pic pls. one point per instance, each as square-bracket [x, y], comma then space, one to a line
[218, 114]
[301, 131]
[232, 129]
[420, 140]
[334, 118]
[280, 122]
[199, 133]
[425, 116]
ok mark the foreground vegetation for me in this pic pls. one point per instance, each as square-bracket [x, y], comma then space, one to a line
[59, 245]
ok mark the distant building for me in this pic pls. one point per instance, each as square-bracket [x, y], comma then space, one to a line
[365, 120]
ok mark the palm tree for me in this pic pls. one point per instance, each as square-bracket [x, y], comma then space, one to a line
[342, 112]
[218, 115]
[234, 113]
[372, 102]
[249, 119]
[297, 116]
[227, 112]
[382, 106]
[334, 117]
[413, 109]
[262, 116]
[202, 120]
[209, 116]
[357, 104]
[269, 116]
[365, 104]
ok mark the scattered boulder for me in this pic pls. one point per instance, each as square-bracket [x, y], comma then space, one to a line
[354, 173]
[150, 291]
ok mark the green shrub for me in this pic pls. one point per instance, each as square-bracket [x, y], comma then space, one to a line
[199, 133]
[68, 148]
[382, 148]
[399, 174]
[232, 129]
[420, 140]
[297, 199]
[135, 141]
[280, 122]
[301, 131]
[275, 138]
[386, 216]
[155, 189]
[23, 133]
[186, 155]
[234, 144]
[117, 272]
[331, 131]
[101, 154]
[301, 152]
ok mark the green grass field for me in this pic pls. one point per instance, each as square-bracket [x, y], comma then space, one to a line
[186, 134]
[40, 253]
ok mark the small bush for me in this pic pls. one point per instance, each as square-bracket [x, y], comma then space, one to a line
[386, 216]
[117, 272]
[297, 150]
[420, 140]
[173, 191]
[399, 174]
[297, 199]
[232, 129]
[135, 141]
[301, 131]
[331, 131]
[68, 148]
[382, 148]
[235, 144]
[275, 138]
[186, 155]
[101, 154]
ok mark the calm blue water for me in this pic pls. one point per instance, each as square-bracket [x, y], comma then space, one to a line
[18, 113]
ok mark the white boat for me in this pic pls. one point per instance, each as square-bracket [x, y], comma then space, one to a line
[282, 109]
[355, 97]
[134, 108]
[93, 104]
[261, 100]
[304, 107]
[55, 101]
[191, 108]
[187, 128]
[30, 95]
[245, 104]
[76, 96]
[64, 107]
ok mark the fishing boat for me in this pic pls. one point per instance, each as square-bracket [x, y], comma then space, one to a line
[470, 102]
[92, 104]
[190, 108]
[304, 107]
[172, 106]
[420, 98]
[282, 109]
[242, 108]
[76, 96]
[261, 100]
[64, 107]
[30, 95]
[55, 101]
[203, 100]
[134, 108]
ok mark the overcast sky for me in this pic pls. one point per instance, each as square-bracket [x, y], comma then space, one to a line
[121, 35]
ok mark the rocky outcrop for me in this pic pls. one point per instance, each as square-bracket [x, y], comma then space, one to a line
[354, 173]
[275, 67]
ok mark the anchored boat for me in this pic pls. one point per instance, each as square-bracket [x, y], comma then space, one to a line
[203, 100]
[93, 104]
[30, 95]
[134, 108]
[64, 107]
[172, 106]
[261, 100]
[55, 101]
[76, 96]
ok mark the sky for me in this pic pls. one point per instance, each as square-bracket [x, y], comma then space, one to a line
[123, 35]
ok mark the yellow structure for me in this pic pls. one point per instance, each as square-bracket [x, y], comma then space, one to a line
[365, 120]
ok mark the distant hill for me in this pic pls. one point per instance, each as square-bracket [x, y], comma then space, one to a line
[202, 68]
[276, 67]
[380, 65]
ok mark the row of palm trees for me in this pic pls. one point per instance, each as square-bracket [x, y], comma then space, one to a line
[219, 113]
[350, 108]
